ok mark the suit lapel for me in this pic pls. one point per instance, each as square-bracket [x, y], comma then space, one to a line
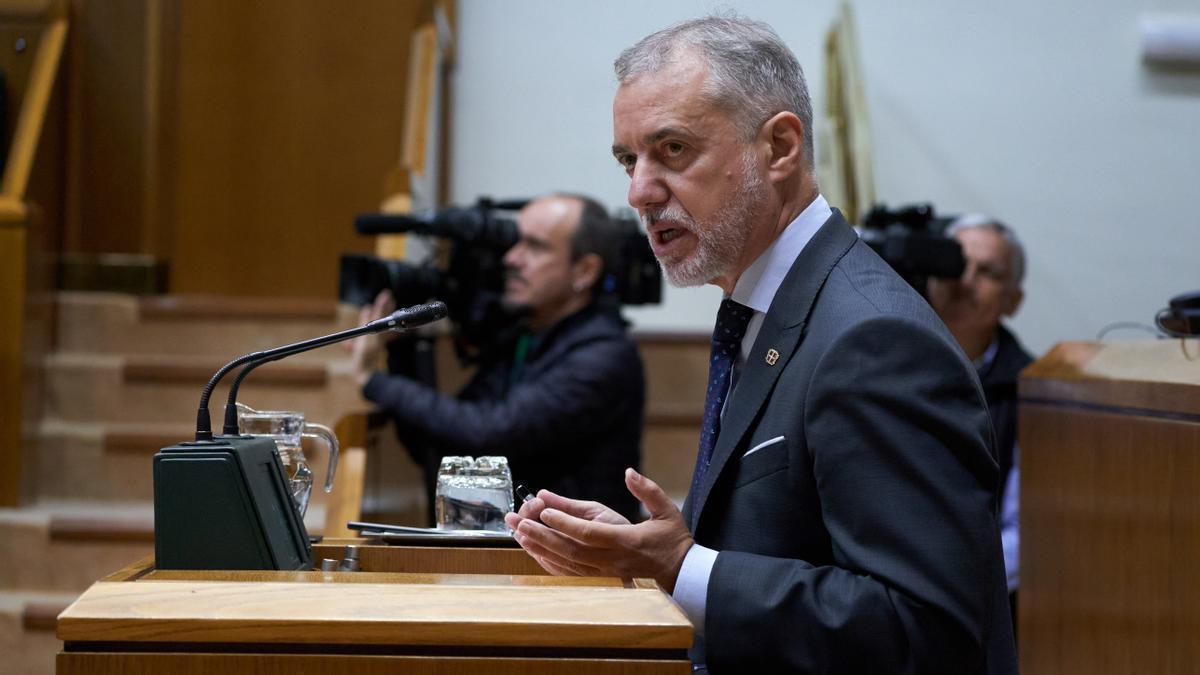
[781, 330]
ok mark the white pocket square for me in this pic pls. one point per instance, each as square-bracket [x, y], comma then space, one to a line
[760, 446]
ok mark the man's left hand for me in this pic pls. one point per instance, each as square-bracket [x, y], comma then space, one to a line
[570, 537]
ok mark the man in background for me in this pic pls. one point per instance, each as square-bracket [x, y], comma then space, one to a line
[841, 517]
[564, 399]
[972, 307]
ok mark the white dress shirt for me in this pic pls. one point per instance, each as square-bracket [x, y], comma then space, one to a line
[755, 288]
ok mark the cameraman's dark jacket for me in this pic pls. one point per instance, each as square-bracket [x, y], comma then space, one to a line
[569, 420]
[999, 379]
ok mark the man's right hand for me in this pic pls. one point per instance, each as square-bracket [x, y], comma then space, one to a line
[591, 511]
[577, 538]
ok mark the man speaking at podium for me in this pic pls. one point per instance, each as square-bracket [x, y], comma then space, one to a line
[842, 515]
[564, 403]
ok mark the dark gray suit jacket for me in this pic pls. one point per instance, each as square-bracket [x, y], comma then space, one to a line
[866, 540]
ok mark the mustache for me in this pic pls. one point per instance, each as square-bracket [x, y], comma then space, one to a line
[666, 213]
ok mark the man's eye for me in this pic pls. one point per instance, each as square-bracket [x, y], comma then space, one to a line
[673, 149]
[627, 161]
[992, 273]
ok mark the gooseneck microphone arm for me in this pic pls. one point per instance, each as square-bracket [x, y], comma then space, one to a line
[231, 423]
[400, 320]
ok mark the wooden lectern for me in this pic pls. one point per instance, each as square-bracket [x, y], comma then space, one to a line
[411, 610]
[1110, 509]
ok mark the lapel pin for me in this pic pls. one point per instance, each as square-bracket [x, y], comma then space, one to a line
[772, 357]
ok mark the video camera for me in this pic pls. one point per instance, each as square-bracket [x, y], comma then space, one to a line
[911, 239]
[470, 276]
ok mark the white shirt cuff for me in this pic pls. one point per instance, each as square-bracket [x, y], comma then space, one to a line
[691, 588]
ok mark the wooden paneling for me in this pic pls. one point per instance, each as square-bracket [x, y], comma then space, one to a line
[12, 321]
[669, 455]
[235, 140]
[676, 379]
[676, 371]
[111, 115]
[1110, 511]
[286, 118]
[433, 559]
[1110, 526]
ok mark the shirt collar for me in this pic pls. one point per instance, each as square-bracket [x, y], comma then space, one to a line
[985, 361]
[757, 286]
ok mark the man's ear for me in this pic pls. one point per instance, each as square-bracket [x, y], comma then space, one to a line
[1013, 301]
[784, 136]
[585, 272]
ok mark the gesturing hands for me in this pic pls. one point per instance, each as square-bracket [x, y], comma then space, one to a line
[577, 538]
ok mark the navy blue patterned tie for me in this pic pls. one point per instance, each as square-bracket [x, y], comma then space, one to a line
[732, 319]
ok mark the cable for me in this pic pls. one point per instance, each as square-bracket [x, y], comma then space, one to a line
[1116, 325]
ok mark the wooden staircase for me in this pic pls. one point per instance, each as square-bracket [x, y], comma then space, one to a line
[122, 381]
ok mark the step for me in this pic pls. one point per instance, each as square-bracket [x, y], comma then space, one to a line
[27, 639]
[64, 546]
[106, 463]
[113, 464]
[119, 324]
[166, 390]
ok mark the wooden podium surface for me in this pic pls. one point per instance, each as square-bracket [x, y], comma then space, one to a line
[412, 610]
[1110, 509]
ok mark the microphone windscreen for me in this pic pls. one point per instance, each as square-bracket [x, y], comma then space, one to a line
[417, 315]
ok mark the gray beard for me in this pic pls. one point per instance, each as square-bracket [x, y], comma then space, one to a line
[720, 239]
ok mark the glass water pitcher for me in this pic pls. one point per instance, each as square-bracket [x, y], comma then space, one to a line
[287, 428]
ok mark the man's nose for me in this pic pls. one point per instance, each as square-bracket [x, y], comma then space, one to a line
[512, 257]
[646, 187]
[969, 276]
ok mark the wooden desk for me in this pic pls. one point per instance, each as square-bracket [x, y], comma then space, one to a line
[407, 612]
[1110, 509]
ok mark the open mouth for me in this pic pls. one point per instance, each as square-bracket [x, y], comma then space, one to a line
[668, 234]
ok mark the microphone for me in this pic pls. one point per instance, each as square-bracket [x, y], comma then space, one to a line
[400, 320]
[409, 317]
[224, 503]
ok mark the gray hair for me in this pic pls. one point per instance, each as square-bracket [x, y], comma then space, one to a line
[1016, 250]
[752, 74]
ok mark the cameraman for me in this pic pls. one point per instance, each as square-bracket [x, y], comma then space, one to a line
[563, 400]
[972, 307]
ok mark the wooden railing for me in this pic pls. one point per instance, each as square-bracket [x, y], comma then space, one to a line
[429, 55]
[49, 22]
